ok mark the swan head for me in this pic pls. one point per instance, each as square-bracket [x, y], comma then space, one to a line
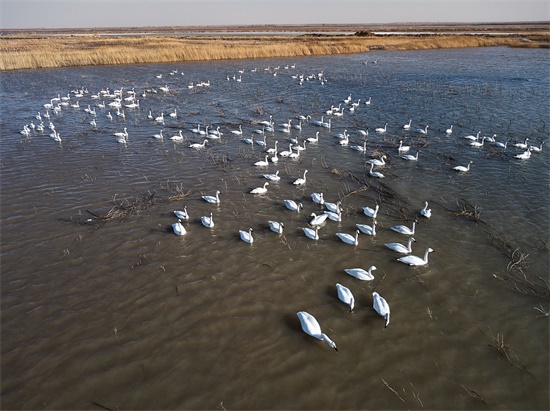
[371, 268]
[329, 341]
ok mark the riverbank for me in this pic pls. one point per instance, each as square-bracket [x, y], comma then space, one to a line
[65, 48]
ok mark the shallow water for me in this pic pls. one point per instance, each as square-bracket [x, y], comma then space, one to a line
[126, 314]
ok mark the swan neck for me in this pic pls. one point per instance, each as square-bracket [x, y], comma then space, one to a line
[426, 255]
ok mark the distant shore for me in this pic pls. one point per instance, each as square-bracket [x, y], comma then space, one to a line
[50, 48]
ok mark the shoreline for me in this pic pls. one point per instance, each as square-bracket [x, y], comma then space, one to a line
[53, 48]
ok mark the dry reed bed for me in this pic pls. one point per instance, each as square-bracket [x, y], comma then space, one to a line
[51, 52]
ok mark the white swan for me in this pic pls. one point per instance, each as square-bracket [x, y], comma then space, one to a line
[477, 143]
[198, 146]
[377, 162]
[294, 155]
[413, 260]
[334, 207]
[522, 145]
[183, 215]
[260, 190]
[196, 130]
[177, 137]
[267, 123]
[366, 229]
[361, 149]
[345, 141]
[318, 219]
[178, 228]
[213, 199]
[313, 139]
[238, 132]
[286, 153]
[369, 212]
[537, 149]
[326, 125]
[26, 130]
[345, 295]
[449, 130]
[402, 148]
[400, 248]
[292, 205]
[348, 238]
[160, 119]
[382, 130]
[375, 174]
[215, 134]
[246, 236]
[502, 145]
[312, 233]
[402, 229]
[272, 150]
[258, 131]
[472, 137]
[207, 221]
[318, 198]
[408, 125]
[311, 327]
[123, 134]
[158, 136]
[462, 168]
[334, 216]
[426, 212]
[422, 130]
[273, 177]
[381, 307]
[525, 155]
[262, 163]
[361, 274]
[300, 181]
[410, 157]
[298, 147]
[276, 226]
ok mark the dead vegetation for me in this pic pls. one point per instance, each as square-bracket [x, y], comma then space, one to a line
[504, 351]
[129, 206]
[65, 51]
[515, 275]
[469, 211]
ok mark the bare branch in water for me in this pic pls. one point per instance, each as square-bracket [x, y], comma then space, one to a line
[498, 344]
[392, 390]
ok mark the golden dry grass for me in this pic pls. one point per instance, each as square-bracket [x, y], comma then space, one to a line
[63, 51]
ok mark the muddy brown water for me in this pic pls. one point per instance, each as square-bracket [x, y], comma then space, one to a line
[126, 314]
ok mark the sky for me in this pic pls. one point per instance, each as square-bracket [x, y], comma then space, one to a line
[144, 13]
